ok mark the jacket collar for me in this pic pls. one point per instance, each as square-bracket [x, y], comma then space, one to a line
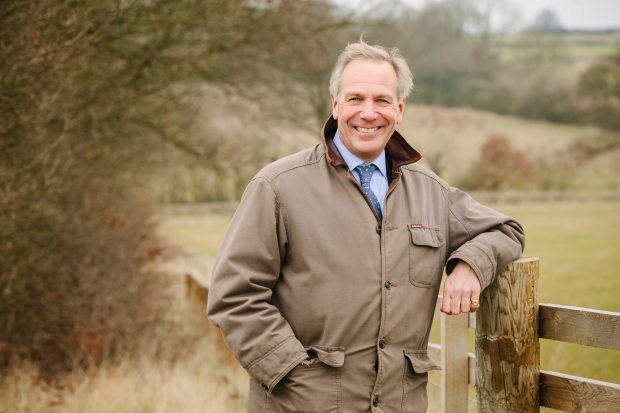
[397, 151]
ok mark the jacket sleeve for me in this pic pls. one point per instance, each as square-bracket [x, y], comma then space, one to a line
[244, 274]
[484, 238]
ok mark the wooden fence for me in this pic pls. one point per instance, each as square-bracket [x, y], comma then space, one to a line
[505, 369]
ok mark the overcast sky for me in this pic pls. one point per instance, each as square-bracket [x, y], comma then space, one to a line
[573, 14]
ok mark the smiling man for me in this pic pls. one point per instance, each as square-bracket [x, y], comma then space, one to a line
[326, 282]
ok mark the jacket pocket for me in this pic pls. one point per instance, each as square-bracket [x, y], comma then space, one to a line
[415, 378]
[313, 386]
[426, 256]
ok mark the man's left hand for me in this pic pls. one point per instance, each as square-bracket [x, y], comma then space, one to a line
[461, 287]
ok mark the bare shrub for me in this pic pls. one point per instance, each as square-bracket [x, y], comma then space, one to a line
[500, 166]
[600, 85]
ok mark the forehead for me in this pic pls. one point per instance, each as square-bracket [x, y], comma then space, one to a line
[368, 76]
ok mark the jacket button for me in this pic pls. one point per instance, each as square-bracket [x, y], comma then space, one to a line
[388, 285]
[375, 400]
[378, 229]
[382, 343]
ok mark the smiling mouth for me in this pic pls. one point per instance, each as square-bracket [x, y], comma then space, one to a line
[366, 130]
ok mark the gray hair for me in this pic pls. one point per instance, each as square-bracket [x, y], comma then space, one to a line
[362, 50]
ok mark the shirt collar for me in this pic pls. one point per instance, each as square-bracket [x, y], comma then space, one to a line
[353, 161]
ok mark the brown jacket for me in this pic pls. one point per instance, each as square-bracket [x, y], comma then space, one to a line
[307, 268]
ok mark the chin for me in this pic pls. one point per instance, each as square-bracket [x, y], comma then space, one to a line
[367, 154]
[370, 147]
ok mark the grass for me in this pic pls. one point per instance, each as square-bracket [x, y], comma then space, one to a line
[197, 233]
[579, 248]
[200, 384]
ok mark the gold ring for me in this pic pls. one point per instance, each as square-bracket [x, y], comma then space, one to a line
[475, 303]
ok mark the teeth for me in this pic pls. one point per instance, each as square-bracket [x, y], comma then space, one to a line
[366, 130]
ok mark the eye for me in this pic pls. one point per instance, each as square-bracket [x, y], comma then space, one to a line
[354, 99]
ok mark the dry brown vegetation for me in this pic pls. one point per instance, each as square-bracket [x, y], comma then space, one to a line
[197, 384]
[183, 366]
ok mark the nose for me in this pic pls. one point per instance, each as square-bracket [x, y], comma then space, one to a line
[369, 111]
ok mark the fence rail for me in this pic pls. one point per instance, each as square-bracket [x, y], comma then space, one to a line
[506, 366]
[579, 325]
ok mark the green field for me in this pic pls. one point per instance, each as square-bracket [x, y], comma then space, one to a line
[578, 245]
[567, 47]
[579, 249]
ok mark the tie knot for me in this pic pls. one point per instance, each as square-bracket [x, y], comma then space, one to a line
[365, 170]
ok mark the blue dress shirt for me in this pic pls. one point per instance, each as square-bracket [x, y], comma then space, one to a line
[378, 182]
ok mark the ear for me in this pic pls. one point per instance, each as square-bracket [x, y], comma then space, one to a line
[401, 111]
[334, 106]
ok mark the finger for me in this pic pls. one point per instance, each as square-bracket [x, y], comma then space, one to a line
[445, 303]
[465, 303]
[475, 301]
[455, 303]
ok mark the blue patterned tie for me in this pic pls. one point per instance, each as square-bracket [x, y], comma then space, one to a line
[365, 170]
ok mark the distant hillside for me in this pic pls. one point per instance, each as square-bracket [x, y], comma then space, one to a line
[450, 140]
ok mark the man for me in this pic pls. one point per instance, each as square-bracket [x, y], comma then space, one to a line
[326, 282]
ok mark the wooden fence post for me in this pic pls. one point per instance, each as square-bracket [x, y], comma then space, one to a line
[507, 348]
[454, 363]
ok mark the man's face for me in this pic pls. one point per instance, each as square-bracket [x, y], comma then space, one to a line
[367, 109]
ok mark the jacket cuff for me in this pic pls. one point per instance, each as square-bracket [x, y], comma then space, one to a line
[477, 259]
[270, 368]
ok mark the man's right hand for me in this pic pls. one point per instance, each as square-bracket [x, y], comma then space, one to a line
[461, 287]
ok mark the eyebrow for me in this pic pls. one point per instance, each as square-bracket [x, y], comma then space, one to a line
[382, 96]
